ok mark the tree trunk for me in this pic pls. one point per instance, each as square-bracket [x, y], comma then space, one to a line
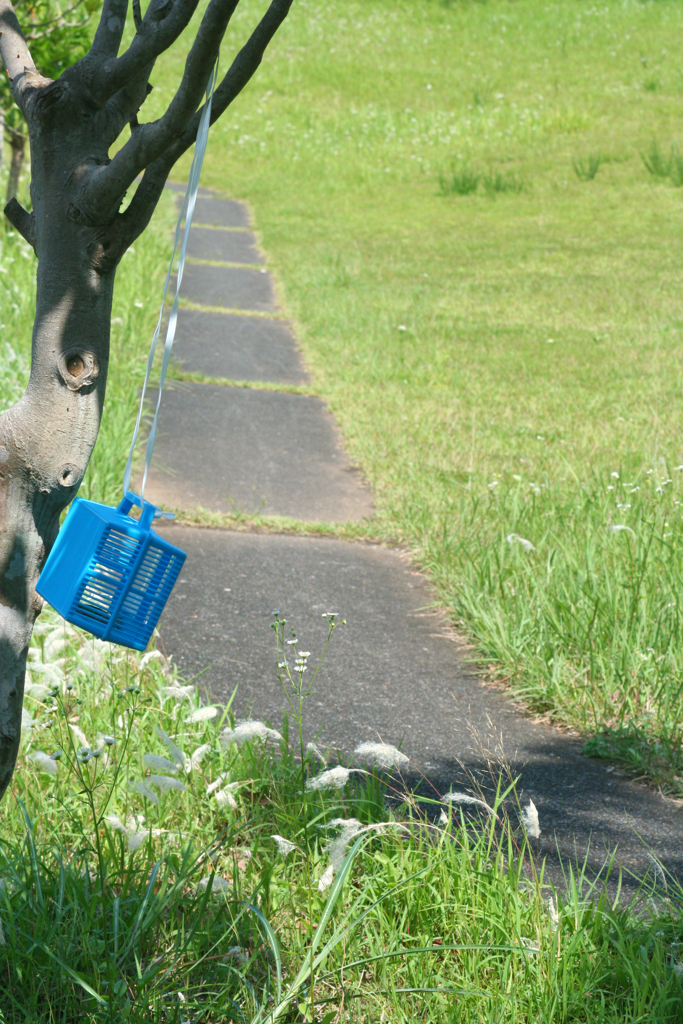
[79, 236]
[47, 438]
[18, 144]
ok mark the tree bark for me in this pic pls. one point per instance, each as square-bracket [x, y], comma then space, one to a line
[18, 144]
[79, 236]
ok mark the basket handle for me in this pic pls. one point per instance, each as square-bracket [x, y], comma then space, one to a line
[149, 511]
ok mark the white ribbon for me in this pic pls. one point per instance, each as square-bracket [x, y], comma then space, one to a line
[187, 211]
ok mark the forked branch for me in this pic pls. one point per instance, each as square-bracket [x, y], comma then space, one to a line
[163, 22]
[108, 184]
[129, 225]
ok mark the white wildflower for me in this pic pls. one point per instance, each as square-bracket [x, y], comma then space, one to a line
[326, 879]
[218, 884]
[202, 715]
[284, 846]
[161, 764]
[175, 751]
[333, 778]
[531, 824]
[197, 756]
[44, 762]
[465, 798]
[382, 754]
[165, 783]
[141, 787]
[514, 538]
[620, 527]
[79, 735]
[246, 731]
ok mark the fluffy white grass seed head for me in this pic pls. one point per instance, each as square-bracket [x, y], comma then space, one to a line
[514, 538]
[326, 879]
[225, 798]
[178, 693]
[312, 749]
[465, 798]
[173, 749]
[202, 715]
[45, 762]
[161, 764]
[141, 787]
[198, 755]
[79, 735]
[531, 824]
[218, 885]
[246, 731]
[135, 840]
[216, 784]
[165, 783]
[284, 846]
[381, 754]
[333, 778]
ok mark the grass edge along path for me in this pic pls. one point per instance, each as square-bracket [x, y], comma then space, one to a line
[170, 864]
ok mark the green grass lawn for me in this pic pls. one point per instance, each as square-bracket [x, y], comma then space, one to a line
[504, 362]
[499, 340]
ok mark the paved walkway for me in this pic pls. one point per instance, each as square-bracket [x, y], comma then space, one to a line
[395, 671]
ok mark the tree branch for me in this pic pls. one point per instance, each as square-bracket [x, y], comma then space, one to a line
[163, 22]
[241, 70]
[129, 225]
[123, 107]
[110, 29]
[22, 220]
[149, 141]
[17, 58]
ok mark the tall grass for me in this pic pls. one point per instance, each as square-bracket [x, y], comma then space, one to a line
[161, 863]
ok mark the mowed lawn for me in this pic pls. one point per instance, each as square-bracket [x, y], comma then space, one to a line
[506, 365]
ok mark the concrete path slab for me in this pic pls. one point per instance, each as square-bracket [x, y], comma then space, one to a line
[229, 288]
[237, 347]
[226, 246]
[393, 672]
[237, 449]
[215, 212]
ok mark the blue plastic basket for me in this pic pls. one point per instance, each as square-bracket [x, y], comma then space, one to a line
[110, 573]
